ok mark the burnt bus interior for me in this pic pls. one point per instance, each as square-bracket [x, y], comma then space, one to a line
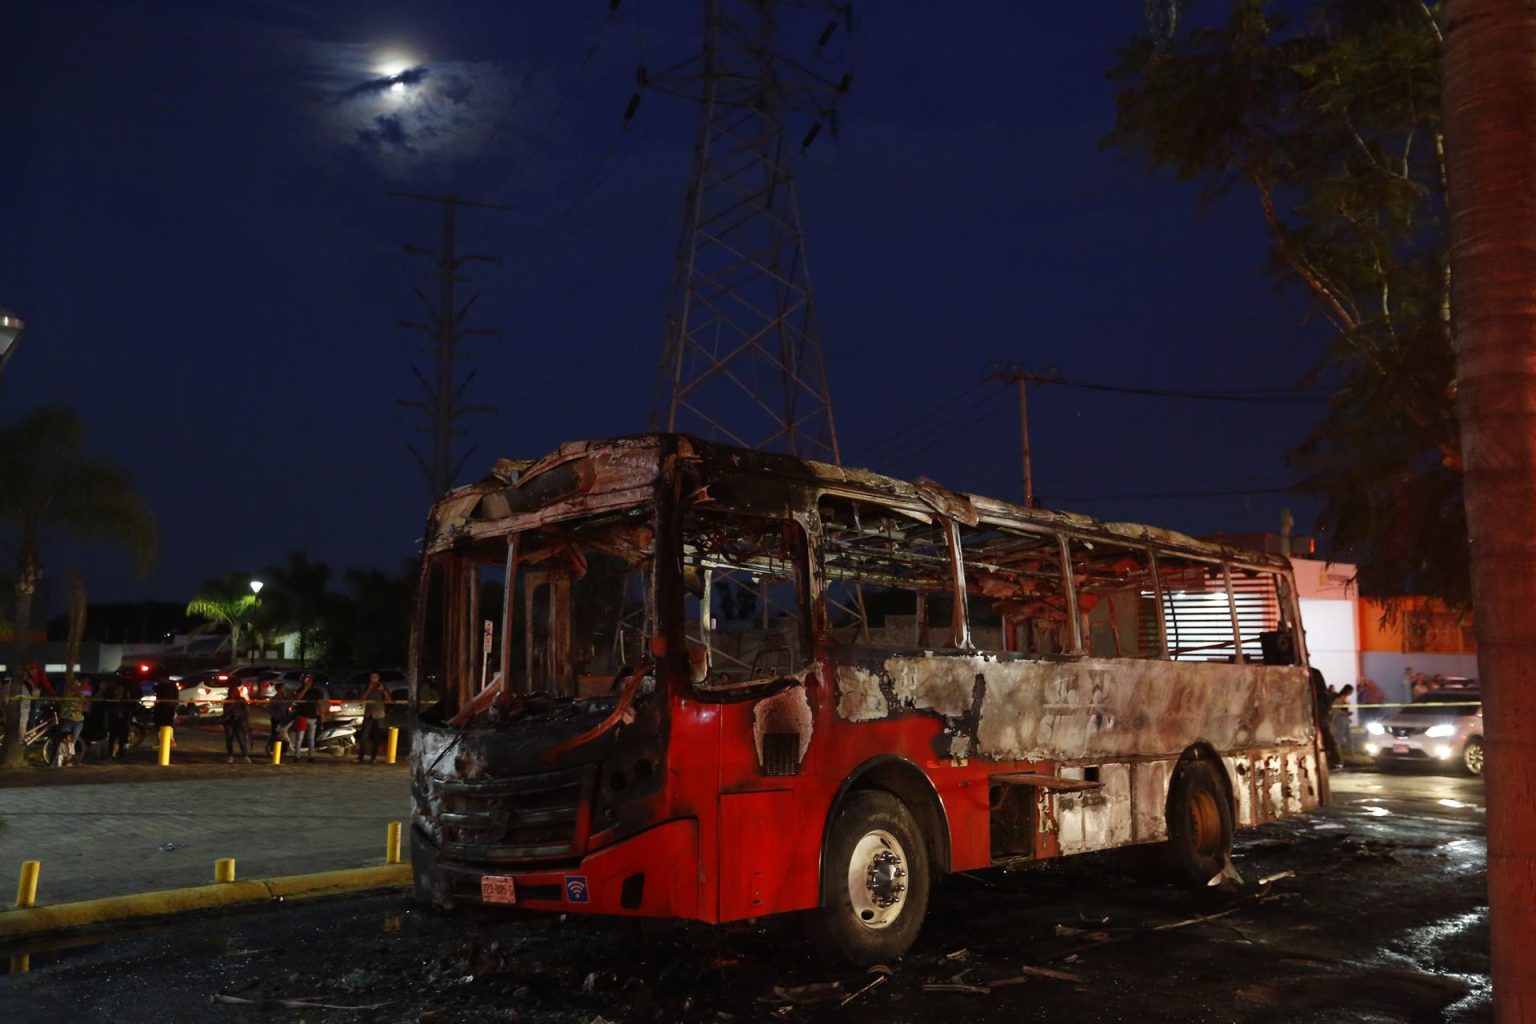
[581, 608]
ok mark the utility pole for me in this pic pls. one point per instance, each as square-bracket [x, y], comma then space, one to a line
[442, 402]
[1014, 372]
[741, 357]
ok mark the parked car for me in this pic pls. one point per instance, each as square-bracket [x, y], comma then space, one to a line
[395, 681]
[288, 679]
[202, 694]
[261, 687]
[338, 705]
[1443, 727]
[342, 704]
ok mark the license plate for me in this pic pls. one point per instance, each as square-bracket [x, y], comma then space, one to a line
[1400, 748]
[498, 889]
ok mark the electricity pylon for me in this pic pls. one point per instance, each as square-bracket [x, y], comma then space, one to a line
[442, 403]
[741, 357]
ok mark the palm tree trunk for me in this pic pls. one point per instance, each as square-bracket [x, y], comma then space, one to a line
[1489, 104]
[12, 754]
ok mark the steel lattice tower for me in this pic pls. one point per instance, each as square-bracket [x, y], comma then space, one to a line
[741, 358]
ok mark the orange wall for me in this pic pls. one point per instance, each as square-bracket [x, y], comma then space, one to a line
[1418, 624]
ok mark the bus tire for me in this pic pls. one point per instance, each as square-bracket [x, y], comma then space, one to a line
[1199, 824]
[875, 877]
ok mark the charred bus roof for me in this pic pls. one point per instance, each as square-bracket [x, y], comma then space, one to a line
[585, 477]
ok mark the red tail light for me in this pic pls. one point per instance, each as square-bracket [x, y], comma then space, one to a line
[335, 706]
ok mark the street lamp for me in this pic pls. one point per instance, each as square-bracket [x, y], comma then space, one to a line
[11, 327]
[256, 586]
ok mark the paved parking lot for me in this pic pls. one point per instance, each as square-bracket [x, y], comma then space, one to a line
[101, 837]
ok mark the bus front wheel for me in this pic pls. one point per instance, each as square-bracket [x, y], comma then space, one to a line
[1199, 824]
[875, 877]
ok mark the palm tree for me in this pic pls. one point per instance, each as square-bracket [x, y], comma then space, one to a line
[49, 485]
[1489, 93]
[296, 596]
[226, 601]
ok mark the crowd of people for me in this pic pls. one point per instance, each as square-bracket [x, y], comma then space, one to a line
[94, 718]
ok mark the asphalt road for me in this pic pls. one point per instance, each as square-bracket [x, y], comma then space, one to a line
[1376, 913]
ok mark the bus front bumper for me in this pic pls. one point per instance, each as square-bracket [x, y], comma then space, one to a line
[652, 874]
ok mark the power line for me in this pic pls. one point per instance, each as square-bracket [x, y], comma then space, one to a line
[1271, 396]
[987, 408]
[549, 123]
[1161, 495]
[898, 436]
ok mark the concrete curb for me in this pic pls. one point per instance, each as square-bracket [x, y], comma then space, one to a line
[15, 924]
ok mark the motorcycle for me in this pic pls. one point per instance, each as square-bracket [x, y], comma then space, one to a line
[337, 736]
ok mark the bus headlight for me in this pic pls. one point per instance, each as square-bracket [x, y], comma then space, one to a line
[1375, 728]
[1436, 732]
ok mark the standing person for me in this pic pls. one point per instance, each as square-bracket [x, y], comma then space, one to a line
[71, 722]
[306, 706]
[122, 695]
[1323, 696]
[25, 686]
[167, 694]
[237, 725]
[95, 730]
[1339, 718]
[375, 699]
[1420, 686]
[280, 719]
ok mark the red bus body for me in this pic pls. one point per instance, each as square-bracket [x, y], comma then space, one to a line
[655, 796]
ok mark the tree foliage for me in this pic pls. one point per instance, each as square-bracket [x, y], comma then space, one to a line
[50, 485]
[296, 598]
[367, 623]
[226, 601]
[1331, 122]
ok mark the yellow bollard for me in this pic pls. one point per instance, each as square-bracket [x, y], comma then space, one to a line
[392, 844]
[389, 754]
[26, 888]
[165, 745]
[277, 753]
[224, 869]
[21, 963]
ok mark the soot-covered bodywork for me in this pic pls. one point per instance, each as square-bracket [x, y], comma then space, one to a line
[648, 671]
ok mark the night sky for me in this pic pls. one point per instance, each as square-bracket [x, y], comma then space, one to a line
[197, 232]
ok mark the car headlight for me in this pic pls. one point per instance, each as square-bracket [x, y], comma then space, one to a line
[1375, 728]
[1436, 732]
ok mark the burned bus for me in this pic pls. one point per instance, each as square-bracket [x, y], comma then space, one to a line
[662, 677]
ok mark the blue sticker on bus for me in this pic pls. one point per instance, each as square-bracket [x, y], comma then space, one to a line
[576, 889]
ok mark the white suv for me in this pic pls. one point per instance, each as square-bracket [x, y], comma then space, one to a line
[1442, 727]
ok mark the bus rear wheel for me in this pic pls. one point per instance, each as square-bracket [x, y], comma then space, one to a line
[1199, 824]
[875, 877]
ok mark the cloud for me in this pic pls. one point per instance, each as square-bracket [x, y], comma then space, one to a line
[425, 120]
[408, 77]
[386, 132]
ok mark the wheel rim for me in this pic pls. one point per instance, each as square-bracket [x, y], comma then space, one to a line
[877, 879]
[1205, 823]
[1473, 757]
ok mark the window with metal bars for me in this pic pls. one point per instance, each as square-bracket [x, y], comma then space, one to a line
[1016, 591]
[887, 576]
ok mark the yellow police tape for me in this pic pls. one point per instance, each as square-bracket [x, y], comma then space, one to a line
[65, 916]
